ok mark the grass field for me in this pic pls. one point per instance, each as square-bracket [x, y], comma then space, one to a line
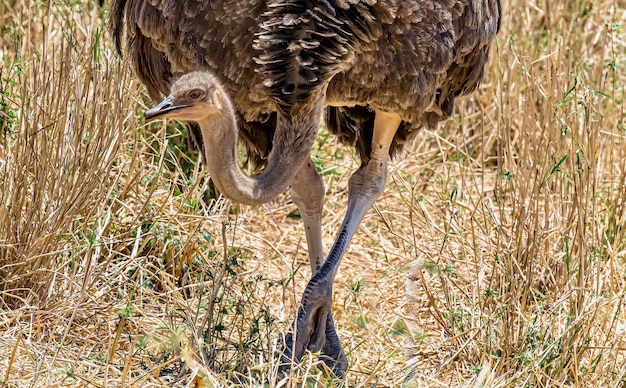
[495, 258]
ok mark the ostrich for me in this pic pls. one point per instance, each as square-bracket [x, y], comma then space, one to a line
[380, 70]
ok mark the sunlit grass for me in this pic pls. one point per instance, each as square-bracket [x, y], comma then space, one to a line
[496, 256]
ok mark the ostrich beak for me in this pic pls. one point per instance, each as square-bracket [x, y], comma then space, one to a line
[166, 106]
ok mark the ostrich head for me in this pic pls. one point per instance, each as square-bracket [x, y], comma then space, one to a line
[193, 97]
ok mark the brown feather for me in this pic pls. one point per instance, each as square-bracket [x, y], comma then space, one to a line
[411, 57]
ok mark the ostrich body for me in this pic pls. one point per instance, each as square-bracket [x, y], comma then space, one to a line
[381, 70]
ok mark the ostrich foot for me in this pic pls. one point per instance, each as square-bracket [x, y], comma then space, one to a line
[332, 353]
[314, 330]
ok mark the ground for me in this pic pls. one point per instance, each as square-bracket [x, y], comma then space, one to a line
[496, 256]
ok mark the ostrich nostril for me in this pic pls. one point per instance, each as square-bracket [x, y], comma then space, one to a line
[164, 107]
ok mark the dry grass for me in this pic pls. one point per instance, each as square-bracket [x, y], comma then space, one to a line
[495, 258]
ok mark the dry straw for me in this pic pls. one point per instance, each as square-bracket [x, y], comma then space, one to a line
[495, 258]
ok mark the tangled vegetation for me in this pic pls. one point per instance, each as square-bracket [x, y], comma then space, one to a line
[496, 256]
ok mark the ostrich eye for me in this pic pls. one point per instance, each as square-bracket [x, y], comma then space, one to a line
[195, 94]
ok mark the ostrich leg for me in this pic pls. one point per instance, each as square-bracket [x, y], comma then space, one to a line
[307, 192]
[314, 325]
[308, 195]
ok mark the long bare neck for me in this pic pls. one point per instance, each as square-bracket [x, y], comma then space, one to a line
[293, 140]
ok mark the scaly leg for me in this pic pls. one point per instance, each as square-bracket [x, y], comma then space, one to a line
[307, 192]
[314, 326]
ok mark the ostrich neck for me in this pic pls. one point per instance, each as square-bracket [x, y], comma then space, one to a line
[293, 140]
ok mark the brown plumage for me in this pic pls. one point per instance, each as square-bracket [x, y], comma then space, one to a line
[381, 70]
[410, 57]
